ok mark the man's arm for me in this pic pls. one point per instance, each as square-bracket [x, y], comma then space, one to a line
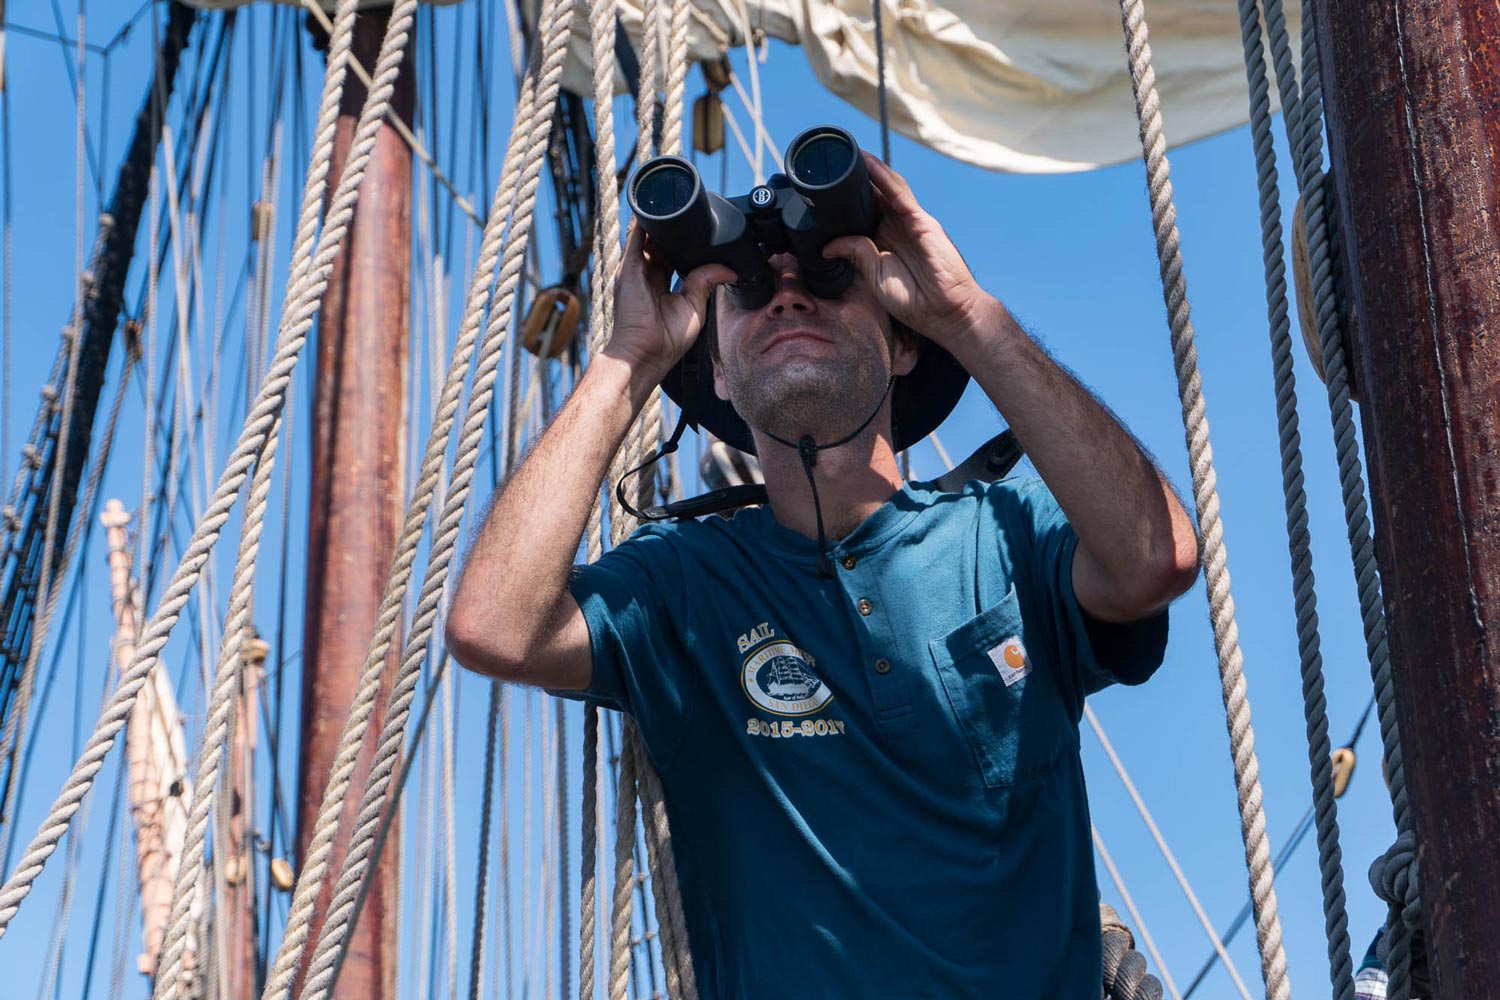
[512, 615]
[1137, 549]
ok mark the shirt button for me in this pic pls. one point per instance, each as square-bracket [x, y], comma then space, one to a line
[865, 607]
[882, 666]
[849, 562]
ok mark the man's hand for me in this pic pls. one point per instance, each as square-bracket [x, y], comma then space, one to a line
[912, 266]
[655, 326]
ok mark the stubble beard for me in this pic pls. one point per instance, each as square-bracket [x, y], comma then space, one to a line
[824, 397]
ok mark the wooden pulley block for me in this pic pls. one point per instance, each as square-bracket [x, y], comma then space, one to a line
[708, 124]
[282, 875]
[552, 322]
[234, 870]
[716, 73]
[1307, 310]
[1343, 770]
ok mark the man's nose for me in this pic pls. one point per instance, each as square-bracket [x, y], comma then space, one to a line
[790, 297]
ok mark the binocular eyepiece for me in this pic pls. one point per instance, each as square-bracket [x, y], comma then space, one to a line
[824, 194]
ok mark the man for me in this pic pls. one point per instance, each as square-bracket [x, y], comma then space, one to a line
[872, 773]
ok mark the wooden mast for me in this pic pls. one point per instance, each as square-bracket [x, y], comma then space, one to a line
[1413, 104]
[357, 490]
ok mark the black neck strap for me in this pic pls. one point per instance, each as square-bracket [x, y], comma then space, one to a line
[807, 450]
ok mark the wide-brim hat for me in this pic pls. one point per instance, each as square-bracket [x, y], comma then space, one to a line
[920, 400]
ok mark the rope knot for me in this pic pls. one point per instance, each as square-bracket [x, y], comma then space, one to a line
[1393, 876]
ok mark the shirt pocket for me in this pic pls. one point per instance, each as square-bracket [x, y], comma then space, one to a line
[1008, 709]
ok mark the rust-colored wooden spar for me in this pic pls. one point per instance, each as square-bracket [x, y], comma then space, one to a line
[356, 497]
[1413, 99]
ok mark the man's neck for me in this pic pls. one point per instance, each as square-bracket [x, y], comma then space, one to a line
[854, 480]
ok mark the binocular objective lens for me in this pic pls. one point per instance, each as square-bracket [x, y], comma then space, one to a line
[821, 160]
[664, 190]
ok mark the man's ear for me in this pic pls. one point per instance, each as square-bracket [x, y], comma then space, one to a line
[720, 389]
[905, 348]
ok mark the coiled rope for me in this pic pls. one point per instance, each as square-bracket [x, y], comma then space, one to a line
[1125, 975]
[1206, 498]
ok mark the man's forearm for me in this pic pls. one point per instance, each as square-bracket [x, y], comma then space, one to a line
[1128, 519]
[518, 565]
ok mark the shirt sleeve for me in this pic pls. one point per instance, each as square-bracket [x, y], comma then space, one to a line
[632, 599]
[1092, 654]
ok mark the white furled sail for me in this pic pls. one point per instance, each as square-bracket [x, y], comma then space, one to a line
[1023, 86]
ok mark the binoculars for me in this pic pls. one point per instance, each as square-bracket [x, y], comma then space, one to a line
[824, 194]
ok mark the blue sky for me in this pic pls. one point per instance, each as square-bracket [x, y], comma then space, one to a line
[1072, 256]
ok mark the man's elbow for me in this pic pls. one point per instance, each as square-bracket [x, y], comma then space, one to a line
[1177, 568]
[476, 648]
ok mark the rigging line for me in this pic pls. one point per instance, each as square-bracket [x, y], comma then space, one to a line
[52, 36]
[109, 846]
[750, 61]
[1161, 844]
[1283, 855]
[885, 124]
[15, 727]
[5, 275]
[399, 124]
[1135, 914]
[1234, 689]
[80, 532]
[75, 81]
[752, 108]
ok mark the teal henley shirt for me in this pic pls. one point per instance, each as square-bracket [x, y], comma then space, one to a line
[873, 781]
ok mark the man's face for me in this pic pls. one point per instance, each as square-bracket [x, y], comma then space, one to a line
[804, 365]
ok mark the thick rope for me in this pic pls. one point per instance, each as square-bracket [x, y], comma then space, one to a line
[607, 251]
[620, 910]
[268, 404]
[588, 842]
[217, 731]
[1206, 497]
[1314, 702]
[1304, 123]
[648, 99]
[676, 88]
[676, 957]
[342, 910]
[388, 618]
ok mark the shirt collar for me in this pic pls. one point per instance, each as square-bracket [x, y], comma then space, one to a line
[888, 520]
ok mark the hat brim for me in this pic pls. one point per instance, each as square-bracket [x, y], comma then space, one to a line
[920, 400]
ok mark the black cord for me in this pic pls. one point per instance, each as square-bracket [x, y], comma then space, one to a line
[885, 125]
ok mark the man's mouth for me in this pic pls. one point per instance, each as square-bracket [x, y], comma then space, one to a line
[792, 334]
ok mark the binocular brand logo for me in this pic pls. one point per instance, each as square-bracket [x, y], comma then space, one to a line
[825, 193]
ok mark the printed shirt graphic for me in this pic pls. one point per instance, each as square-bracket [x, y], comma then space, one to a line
[870, 777]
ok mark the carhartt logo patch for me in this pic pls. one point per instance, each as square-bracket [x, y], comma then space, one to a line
[1010, 659]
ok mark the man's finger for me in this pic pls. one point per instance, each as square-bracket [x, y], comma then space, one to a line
[702, 280]
[898, 193]
[861, 251]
